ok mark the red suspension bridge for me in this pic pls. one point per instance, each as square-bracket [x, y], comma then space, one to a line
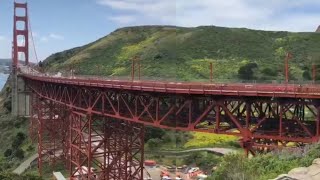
[99, 122]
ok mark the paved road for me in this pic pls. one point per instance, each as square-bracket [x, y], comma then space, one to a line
[25, 165]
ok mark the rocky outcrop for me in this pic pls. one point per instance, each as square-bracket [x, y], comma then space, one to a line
[318, 29]
[303, 173]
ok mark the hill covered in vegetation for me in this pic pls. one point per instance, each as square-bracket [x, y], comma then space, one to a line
[184, 53]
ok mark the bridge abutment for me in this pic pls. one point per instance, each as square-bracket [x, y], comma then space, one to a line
[20, 97]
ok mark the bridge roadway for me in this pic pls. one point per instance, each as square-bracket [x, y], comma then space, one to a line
[191, 88]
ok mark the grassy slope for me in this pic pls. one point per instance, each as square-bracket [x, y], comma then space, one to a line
[183, 53]
[9, 128]
[266, 166]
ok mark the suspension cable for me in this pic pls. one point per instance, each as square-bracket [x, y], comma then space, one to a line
[32, 39]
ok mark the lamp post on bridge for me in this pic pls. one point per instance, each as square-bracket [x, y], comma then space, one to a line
[211, 72]
[314, 73]
[286, 62]
[135, 60]
[99, 70]
[211, 68]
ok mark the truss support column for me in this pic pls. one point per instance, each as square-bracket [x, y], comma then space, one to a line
[89, 144]
[50, 117]
[280, 119]
[248, 114]
[218, 115]
[114, 148]
[318, 122]
[34, 125]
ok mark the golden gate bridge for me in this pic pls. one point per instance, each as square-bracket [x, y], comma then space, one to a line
[99, 122]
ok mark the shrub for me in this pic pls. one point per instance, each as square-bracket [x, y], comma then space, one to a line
[21, 136]
[8, 153]
[201, 140]
[269, 72]
[19, 121]
[19, 153]
[8, 90]
[266, 166]
[152, 132]
[7, 105]
[154, 143]
[12, 176]
[18, 140]
[30, 148]
[234, 167]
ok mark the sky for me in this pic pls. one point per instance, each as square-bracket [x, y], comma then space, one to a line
[58, 25]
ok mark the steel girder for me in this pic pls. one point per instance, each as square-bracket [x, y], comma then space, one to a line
[261, 122]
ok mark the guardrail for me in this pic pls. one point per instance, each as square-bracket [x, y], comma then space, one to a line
[237, 88]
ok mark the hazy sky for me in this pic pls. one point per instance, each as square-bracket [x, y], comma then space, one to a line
[63, 24]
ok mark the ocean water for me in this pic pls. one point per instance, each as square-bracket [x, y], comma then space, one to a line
[3, 79]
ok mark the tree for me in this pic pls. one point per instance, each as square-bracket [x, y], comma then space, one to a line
[8, 153]
[19, 153]
[18, 140]
[21, 136]
[152, 132]
[269, 72]
[306, 75]
[246, 72]
[154, 143]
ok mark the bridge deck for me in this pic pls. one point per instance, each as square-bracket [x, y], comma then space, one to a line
[225, 89]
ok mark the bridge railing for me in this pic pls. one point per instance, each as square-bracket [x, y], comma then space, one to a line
[32, 71]
[266, 86]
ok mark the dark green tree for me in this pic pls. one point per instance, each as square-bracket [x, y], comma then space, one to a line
[18, 140]
[19, 153]
[246, 72]
[306, 75]
[7, 153]
[152, 132]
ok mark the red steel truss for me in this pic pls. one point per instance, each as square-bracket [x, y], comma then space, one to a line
[52, 130]
[261, 122]
[112, 149]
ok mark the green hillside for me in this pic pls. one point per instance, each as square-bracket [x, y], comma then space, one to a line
[184, 53]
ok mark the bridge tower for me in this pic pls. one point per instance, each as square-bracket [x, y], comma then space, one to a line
[20, 52]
